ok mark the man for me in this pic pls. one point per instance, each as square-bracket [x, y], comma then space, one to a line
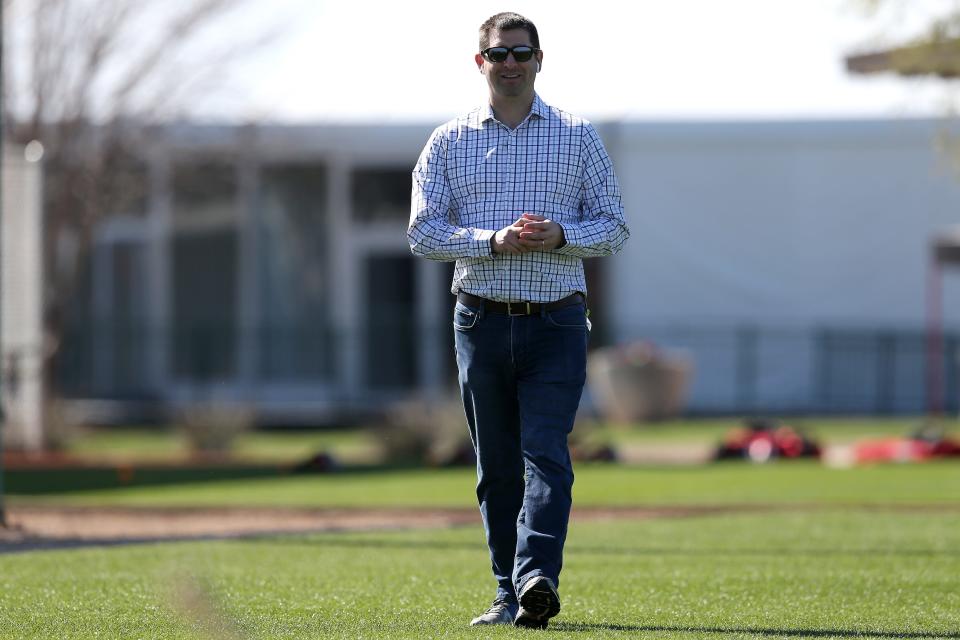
[518, 192]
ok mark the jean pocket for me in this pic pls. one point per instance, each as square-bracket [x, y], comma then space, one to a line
[464, 318]
[573, 316]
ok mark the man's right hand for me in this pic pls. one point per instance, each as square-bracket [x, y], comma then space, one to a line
[507, 240]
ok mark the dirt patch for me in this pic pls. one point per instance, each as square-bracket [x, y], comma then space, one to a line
[32, 527]
[31, 524]
[51, 527]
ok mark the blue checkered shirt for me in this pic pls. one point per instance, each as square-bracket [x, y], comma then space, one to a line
[477, 176]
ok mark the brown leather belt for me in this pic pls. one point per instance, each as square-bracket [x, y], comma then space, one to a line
[518, 308]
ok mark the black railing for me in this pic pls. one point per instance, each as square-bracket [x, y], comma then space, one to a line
[742, 369]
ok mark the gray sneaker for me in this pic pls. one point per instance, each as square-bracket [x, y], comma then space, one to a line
[500, 612]
[539, 601]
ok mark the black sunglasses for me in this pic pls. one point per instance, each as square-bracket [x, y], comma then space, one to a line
[520, 53]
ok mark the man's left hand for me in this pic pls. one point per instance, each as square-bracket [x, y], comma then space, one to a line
[541, 234]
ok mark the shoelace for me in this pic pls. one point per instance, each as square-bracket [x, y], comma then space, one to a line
[498, 606]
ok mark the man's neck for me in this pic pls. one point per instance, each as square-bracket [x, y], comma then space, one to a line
[511, 111]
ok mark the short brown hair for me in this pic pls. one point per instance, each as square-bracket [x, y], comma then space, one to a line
[504, 22]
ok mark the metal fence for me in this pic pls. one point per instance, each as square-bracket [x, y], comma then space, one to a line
[741, 369]
[750, 370]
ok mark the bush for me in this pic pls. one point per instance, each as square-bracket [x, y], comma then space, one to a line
[433, 432]
[213, 427]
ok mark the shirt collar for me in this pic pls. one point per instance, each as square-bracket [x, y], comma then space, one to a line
[538, 109]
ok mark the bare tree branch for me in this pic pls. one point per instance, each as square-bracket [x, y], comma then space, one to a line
[207, 73]
[105, 29]
[49, 20]
[89, 66]
[180, 29]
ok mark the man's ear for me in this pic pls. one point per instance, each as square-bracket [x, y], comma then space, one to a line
[479, 60]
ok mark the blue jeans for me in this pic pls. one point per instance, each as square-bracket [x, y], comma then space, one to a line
[521, 378]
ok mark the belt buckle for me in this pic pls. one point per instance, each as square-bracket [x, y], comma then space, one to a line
[525, 311]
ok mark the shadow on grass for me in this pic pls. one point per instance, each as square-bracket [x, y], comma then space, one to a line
[43, 481]
[39, 482]
[379, 543]
[799, 633]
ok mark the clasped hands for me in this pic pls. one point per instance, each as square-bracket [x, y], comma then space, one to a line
[529, 233]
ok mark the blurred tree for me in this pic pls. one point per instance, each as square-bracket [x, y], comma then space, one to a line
[934, 51]
[87, 78]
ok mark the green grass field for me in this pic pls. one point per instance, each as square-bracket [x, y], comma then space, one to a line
[597, 484]
[866, 552]
[360, 445]
[835, 574]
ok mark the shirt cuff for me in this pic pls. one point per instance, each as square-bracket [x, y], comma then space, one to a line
[482, 243]
[572, 240]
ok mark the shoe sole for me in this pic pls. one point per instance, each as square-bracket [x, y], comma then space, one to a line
[538, 604]
[529, 621]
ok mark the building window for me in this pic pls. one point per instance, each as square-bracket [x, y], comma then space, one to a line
[205, 303]
[381, 194]
[294, 273]
[125, 187]
[204, 195]
[204, 270]
[391, 332]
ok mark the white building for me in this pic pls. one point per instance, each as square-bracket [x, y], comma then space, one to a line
[791, 258]
[270, 264]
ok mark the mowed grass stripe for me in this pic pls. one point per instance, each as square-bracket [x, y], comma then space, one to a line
[793, 482]
[833, 573]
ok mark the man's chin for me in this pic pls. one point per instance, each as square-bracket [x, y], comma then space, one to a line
[512, 91]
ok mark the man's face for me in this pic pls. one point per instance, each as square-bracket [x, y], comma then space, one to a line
[510, 78]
